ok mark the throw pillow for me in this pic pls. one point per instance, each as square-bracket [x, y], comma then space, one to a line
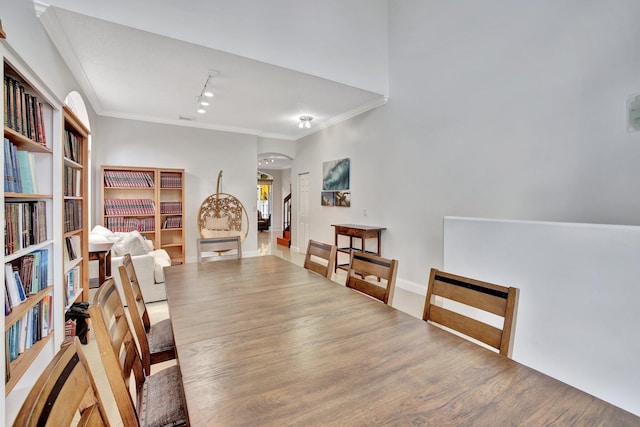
[130, 243]
[212, 223]
[98, 229]
[95, 238]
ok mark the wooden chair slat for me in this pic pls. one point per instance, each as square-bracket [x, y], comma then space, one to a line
[371, 289]
[491, 303]
[320, 258]
[467, 326]
[379, 270]
[488, 297]
[64, 389]
[365, 264]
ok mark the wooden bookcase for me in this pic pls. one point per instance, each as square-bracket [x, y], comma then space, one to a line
[32, 245]
[149, 200]
[75, 210]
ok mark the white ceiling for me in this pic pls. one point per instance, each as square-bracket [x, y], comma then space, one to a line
[151, 74]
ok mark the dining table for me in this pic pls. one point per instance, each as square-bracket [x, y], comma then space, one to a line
[261, 341]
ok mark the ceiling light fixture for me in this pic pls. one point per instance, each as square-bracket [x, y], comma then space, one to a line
[207, 92]
[266, 161]
[305, 122]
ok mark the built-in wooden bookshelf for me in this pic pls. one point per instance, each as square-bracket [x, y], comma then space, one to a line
[75, 211]
[149, 200]
[28, 203]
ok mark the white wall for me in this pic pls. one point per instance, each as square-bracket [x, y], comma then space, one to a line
[201, 153]
[497, 109]
[277, 146]
[578, 311]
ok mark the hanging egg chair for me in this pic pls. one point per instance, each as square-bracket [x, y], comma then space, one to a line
[222, 215]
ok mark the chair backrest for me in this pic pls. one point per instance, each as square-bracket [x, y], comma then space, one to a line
[219, 245]
[137, 308]
[499, 300]
[64, 389]
[118, 350]
[318, 251]
[364, 264]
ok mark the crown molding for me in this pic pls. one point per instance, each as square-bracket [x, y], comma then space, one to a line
[52, 26]
[382, 100]
[195, 124]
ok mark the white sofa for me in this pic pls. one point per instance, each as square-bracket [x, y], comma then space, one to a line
[148, 263]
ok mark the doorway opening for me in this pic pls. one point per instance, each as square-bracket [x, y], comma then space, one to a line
[264, 196]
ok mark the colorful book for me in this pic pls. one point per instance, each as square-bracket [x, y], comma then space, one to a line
[26, 173]
[15, 295]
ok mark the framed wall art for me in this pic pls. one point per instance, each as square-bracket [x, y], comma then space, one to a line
[336, 183]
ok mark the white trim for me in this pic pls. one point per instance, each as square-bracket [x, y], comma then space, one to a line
[54, 29]
[382, 100]
[415, 288]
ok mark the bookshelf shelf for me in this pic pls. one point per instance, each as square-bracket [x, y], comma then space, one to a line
[126, 188]
[27, 250]
[130, 215]
[71, 163]
[21, 310]
[19, 366]
[70, 264]
[27, 196]
[172, 245]
[72, 300]
[25, 143]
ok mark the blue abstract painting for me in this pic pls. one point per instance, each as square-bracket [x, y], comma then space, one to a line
[335, 175]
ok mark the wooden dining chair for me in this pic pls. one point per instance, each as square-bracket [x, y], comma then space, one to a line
[154, 340]
[64, 389]
[216, 248]
[364, 264]
[320, 258]
[153, 400]
[485, 297]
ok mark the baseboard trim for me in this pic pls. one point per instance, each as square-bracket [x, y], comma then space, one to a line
[416, 288]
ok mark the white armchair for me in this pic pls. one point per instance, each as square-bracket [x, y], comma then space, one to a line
[149, 263]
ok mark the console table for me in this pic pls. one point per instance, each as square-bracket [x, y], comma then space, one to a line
[353, 231]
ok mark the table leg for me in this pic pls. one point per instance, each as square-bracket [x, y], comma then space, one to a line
[107, 266]
[101, 268]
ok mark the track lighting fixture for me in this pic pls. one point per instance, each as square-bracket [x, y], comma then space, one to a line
[207, 92]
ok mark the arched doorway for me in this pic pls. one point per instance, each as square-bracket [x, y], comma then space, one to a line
[75, 102]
